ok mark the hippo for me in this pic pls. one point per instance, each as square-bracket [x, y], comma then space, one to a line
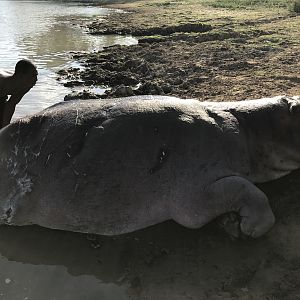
[115, 166]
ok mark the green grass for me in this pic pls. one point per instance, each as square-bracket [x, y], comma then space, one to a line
[250, 4]
[296, 7]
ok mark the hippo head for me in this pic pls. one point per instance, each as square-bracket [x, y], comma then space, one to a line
[283, 135]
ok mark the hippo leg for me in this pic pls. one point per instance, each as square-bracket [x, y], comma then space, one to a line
[229, 194]
[230, 223]
[237, 194]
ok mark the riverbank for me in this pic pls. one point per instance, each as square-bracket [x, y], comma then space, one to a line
[193, 50]
[212, 53]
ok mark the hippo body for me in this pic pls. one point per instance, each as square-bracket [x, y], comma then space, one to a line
[118, 165]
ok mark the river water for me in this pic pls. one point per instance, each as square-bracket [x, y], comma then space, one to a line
[45, 32]
[38, 263]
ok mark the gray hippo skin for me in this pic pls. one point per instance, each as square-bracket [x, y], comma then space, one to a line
[118, 165]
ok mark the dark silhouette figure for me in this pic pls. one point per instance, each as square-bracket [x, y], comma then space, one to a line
[13, 86]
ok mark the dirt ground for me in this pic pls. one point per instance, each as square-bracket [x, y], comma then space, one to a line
[194, 51]
[191, 51]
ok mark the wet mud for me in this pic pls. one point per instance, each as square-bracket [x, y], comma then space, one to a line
[206, 60]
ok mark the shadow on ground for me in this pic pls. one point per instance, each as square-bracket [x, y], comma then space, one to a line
[166, 261]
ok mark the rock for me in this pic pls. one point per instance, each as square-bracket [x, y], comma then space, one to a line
[73, 83]
[150, 88]
[122, 91]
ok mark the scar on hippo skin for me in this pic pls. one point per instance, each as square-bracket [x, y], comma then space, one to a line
[292, 105]
[47, 160]
[8, 215]
[75, 148]
[162, 157]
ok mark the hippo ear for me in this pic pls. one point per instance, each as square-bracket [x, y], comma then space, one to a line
[295, 107]
[292, 104]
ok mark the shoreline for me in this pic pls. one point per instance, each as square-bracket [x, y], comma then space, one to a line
[211, 58]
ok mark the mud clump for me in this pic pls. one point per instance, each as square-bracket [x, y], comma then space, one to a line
[81, 95]
[208, 66]
[105, 29]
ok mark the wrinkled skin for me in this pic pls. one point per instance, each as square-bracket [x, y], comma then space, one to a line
[118, 165]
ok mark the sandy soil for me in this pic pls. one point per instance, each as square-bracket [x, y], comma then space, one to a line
[189, 51]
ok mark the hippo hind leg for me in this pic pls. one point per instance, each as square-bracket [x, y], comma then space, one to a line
[227, 195]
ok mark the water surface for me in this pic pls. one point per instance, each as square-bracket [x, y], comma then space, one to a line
[45, 32]
[43, 264]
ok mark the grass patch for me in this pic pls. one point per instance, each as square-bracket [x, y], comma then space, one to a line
[165, 3]
[296, 7]
[272, 40]
[250, 4]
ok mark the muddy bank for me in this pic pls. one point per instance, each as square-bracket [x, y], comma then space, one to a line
[123, 26]
[200, 60]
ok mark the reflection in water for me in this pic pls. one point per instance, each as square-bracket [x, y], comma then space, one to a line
[46, 32]
[54, 45]
[39, 263]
